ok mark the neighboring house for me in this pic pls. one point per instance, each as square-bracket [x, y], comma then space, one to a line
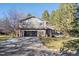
[33, 26]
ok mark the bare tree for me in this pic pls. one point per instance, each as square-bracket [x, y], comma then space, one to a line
[14, 16]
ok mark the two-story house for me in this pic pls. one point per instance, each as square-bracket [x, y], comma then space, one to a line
[31, 26]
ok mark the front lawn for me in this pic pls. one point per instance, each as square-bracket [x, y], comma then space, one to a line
[4, 37]
[55, 43]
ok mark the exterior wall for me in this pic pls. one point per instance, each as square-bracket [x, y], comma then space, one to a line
[35, 23]
[19, 33]
[41, 33]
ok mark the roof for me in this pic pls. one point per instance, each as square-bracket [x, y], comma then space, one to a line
[35, 24]
[27, 18]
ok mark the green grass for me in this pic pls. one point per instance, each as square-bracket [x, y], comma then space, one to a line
[4, 37]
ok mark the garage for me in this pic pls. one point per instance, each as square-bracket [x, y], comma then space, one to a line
[30, 33]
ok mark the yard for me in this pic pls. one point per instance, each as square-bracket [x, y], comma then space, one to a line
[55, 43]
[58, 43]
[5, 37]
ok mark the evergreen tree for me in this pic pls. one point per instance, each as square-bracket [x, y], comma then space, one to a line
[63, 18]
[45, 15]
[29, 15]
[55, 19]
[75, 30]
[67, 17]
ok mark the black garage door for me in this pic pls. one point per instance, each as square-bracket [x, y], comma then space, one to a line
[30, 33]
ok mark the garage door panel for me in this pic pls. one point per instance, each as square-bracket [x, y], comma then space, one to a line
[30, 33]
